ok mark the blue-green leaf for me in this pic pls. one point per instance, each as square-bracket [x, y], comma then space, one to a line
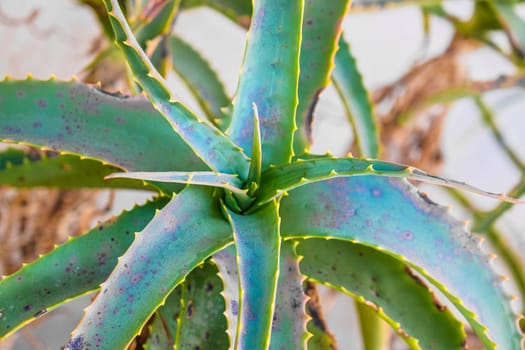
[179, 238]
[269, 78]
[257, 242]
[387, 286]
[72, 269]
[391, 216]
[201, 79]
[356, 101]
[279, 179]
[81, 119]
[208, 143]
[321, 29]
[289, 318]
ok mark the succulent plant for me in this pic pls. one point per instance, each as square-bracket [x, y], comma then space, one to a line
[240, 199]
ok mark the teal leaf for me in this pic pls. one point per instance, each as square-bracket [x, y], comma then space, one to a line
[226, 262]
[386, 285]
[180, 237]
[70, 270]
[289, 318]
[279, 179]
[272, 55]
[358, 107]
[391, 216]
[209, 143]
[81, 119]
[254, 176]
[205, 178]
[257, 242]
[201, 79]
[321, 29]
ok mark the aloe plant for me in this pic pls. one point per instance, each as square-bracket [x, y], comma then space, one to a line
[245, 218]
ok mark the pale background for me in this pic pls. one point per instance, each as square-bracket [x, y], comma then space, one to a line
[386, 44]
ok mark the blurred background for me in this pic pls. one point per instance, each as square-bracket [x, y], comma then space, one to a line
[415, 66]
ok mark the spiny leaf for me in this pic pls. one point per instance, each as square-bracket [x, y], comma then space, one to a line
[202, 324]
[254, 176]
[19, 169]
[76, 118]
[257, 242]
[289, 318]
[208, 143]
[71, 269]
[321, 29]
[391, 216]
[179, 238]
[226, 262]
[279, 179]
[358, 106]
[206, 178]
[271, 56]
[386, 285]
[201, 79]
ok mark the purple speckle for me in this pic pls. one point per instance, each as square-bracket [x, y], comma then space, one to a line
[407, 236]
[235, 307]
[376, 192]
[37, 124]
[20, 93]
[42, 103]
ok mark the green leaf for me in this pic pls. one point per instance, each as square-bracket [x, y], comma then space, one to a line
[279, 179]
[356, 101]
[375, 332]
[386, 285]
[513, 24]
[202, 324]
[76, 118]
[321, 30]
[155, 19]
[201, 79]
[19, 169]
[269, 78]
[163, 329]
[208, 143]
[391, 216]
[70, 270]
[289, 318]
[257, 242]
[239, 11]
[179, 238]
